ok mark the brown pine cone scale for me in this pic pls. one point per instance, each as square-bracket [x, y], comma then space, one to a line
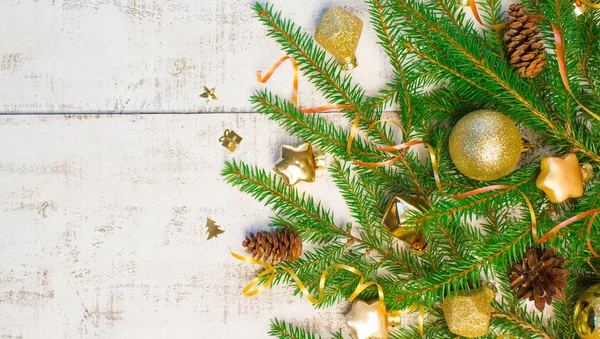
[539, 277]
[525, 49]
[283, 245]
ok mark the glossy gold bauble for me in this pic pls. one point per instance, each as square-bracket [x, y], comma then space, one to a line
[587, 313]
[485, 145]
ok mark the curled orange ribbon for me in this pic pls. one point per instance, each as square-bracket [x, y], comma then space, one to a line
[250, 289]
[560, 51]
[402, 147]
[266, 77]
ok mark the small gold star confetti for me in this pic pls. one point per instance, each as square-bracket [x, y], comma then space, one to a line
[209, 94]
[213, 229]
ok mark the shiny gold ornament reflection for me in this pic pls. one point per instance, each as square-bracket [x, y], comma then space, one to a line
[230, 140]
[562, 178]
[587, 311]
[579, 8]
[396, 213]
[339, 32]
[299, 163]
[468, 313]
[465, 3]
[370, 320]
[485, 145]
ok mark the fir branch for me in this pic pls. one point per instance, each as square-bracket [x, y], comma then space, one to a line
[325, 75]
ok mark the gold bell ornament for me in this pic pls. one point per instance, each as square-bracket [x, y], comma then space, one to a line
[339, 32]
[299, 163]
[394, 218]
[485, 145]
[370, 319]
[468, 313]
[563, 178]
[587, 312]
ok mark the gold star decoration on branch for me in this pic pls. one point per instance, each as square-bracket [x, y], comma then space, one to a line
[209, 94]
[299, 163]
[213, 229]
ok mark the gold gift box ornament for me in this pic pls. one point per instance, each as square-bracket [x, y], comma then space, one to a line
[230, 140]
[397, 212]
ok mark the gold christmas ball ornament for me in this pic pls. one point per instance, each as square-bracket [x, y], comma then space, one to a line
[485, 145]
[339, 32]
[468, 313]
[299, 163]
[562, 178]
[395, 216]
[370, 320]
[587, 313]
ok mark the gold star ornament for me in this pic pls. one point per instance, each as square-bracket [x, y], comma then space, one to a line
[370, 320]
[299, 163]
[209, 94]
[562, 178]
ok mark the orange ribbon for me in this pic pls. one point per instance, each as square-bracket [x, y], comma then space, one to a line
[402, 147]
[560, 53]
[266, 77]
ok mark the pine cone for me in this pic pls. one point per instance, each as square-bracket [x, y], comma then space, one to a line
[283, 245]
[539, 277]
[525, 49]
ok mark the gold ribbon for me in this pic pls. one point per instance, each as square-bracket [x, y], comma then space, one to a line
[250, 289]
[587, 3]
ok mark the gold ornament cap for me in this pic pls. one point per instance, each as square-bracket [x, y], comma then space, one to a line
[468, 313]
[339, 33]
[587, 313]
[464, 3]
[561, 178]
[369, 319]
[485, 145]
[394, 218]
[579, 8]
[299, 163]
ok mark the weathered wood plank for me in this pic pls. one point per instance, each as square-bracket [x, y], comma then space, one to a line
[103, 229]
[152, 55]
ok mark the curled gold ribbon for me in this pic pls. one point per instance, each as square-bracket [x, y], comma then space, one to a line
[251, 289]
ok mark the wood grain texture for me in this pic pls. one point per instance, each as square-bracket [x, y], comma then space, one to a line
[106, 238]
[152, 55]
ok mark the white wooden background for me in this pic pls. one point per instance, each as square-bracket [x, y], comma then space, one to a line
[102, 215]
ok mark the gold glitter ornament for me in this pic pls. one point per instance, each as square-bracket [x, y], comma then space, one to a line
[339, 32]
[468, 313]
[563, 178]
[485, 145]
[397, 212]
[587, 311]
[370, 320]
[299, 163]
